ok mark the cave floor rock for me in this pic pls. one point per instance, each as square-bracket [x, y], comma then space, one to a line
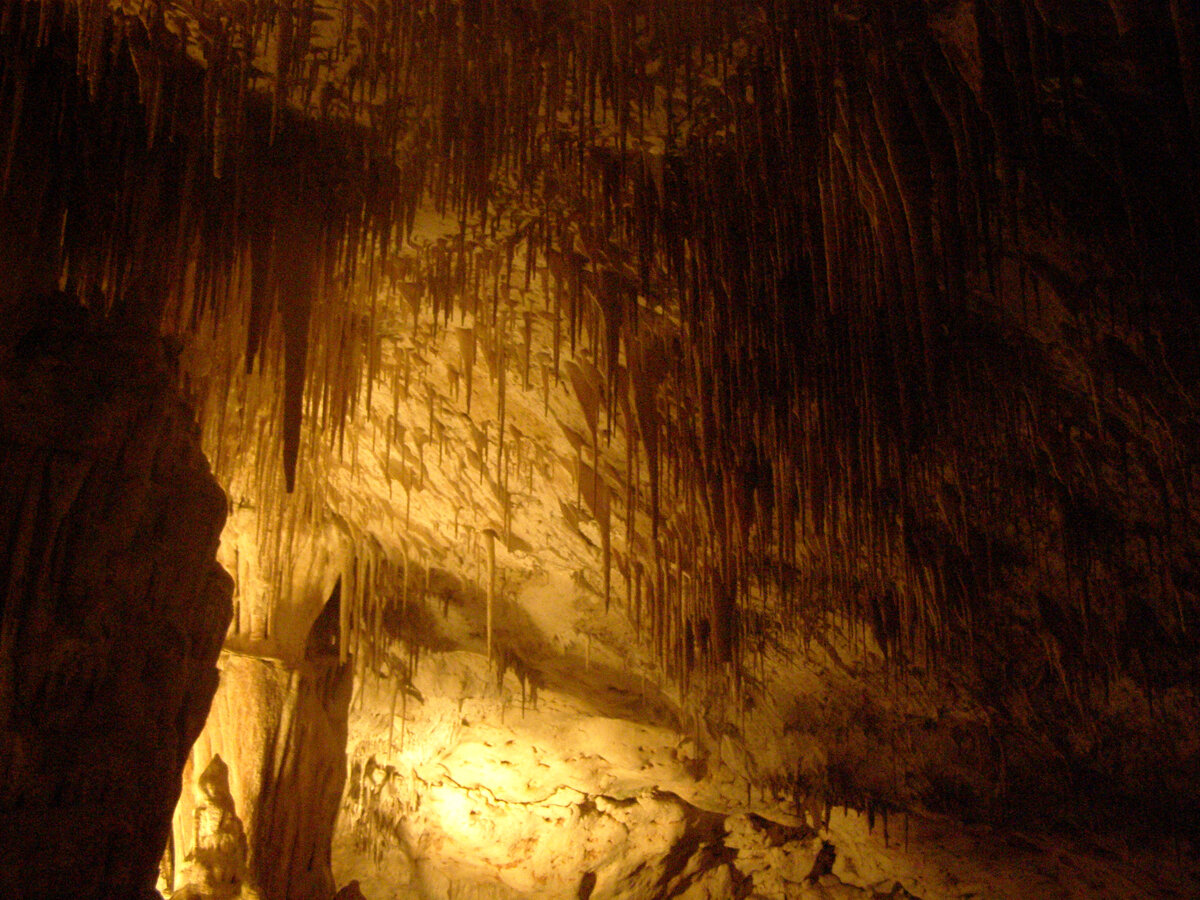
[458, 789]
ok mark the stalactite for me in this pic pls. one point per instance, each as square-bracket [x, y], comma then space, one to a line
[597, 495]
[501, 404]
[491, 587]
[466, 349]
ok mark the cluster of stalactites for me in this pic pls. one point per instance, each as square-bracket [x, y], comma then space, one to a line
[800, 262]
[165, 197]
[774, 226]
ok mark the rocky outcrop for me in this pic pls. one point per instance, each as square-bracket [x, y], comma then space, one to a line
[113, 604]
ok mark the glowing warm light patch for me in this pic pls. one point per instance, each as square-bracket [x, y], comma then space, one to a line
[459, 816]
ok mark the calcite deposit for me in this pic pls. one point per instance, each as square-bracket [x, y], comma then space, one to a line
[669, 448]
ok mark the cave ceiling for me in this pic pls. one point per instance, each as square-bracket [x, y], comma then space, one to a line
[746, 324]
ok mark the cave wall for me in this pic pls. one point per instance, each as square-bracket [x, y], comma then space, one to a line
[113, 603]
[1004, 489]
[948, 248]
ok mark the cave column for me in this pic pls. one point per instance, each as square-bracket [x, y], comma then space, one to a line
[278, 721]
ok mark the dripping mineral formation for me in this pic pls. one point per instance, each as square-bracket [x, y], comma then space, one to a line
[599, 449]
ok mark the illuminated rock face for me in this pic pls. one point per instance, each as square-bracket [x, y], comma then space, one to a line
[465, 784]
[278, 722]
[282, 728]
[113, 605]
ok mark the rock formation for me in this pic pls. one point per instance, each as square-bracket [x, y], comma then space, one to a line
[815, 381]
[113, 603]
[215, 867]
[279, 718]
